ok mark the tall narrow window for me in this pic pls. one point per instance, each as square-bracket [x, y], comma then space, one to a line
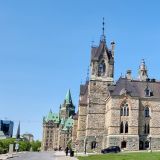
[124, 110]
[121, 111]
[146, 112]
[126, 127]
[121, 127]
[101, 68]
[127, 111]
[148, 129]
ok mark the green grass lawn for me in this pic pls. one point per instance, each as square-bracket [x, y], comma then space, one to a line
[124, 156]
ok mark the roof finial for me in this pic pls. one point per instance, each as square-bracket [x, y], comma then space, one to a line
[103, 27]
[103, 38]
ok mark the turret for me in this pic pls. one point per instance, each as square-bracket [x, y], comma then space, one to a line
[67, 108]
[102, 60]
[143, 73]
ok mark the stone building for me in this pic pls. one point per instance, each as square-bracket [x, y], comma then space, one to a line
[57, 127]
[125, 113]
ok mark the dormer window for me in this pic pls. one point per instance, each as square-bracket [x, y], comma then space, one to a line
[148, 92]
[101, 69]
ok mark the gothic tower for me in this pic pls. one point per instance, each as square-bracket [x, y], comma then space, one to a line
[102, 74]
[67, 109]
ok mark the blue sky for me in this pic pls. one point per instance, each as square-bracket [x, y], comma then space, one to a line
[45, 50]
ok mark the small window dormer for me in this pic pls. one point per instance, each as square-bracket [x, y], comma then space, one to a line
[148, 92]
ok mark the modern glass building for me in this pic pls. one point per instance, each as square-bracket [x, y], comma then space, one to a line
[6, 126]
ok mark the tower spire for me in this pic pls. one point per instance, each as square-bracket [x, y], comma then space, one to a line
[18, 132]
[68, 97]
[103, 27]
[103, 37]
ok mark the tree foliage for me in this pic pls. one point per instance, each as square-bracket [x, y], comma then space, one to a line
[36, 145]
[23, 145]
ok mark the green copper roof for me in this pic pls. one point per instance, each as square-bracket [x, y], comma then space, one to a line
[68, 97]
[52, 117]
[68, 124]
[62, 121]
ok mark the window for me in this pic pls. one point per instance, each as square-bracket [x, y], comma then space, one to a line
[127, 109]
[124, 110]
[101, 68]
[126, 127]
[146, 111]
[121, 111]
[121, 127]
[146, 129]
[148, 92]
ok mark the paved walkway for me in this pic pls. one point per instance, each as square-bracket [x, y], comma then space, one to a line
[60, 155]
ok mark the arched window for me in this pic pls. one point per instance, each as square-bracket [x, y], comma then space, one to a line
[126, 127]
[124, 110]
[146, 111]
[121, 127]
[101, 68]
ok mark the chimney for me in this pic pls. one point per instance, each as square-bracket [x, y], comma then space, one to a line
[128, 74]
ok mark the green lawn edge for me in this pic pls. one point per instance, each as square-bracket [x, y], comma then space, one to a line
[123, 156]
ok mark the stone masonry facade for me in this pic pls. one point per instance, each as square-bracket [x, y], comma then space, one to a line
[123, 113]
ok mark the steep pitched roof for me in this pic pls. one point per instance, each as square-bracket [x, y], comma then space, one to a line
[68, 124]
[83, 94]
[68, 98]
[97, 51]
[52, 117]
[135, 88]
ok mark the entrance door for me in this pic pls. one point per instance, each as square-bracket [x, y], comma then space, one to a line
[141, 145]
[123, 144]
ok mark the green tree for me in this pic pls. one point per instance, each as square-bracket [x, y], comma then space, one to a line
[36, 145]
[4, 144]
[24, 146]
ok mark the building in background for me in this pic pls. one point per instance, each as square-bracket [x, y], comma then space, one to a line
[57, 127]
[6, 128]
[28, 137]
